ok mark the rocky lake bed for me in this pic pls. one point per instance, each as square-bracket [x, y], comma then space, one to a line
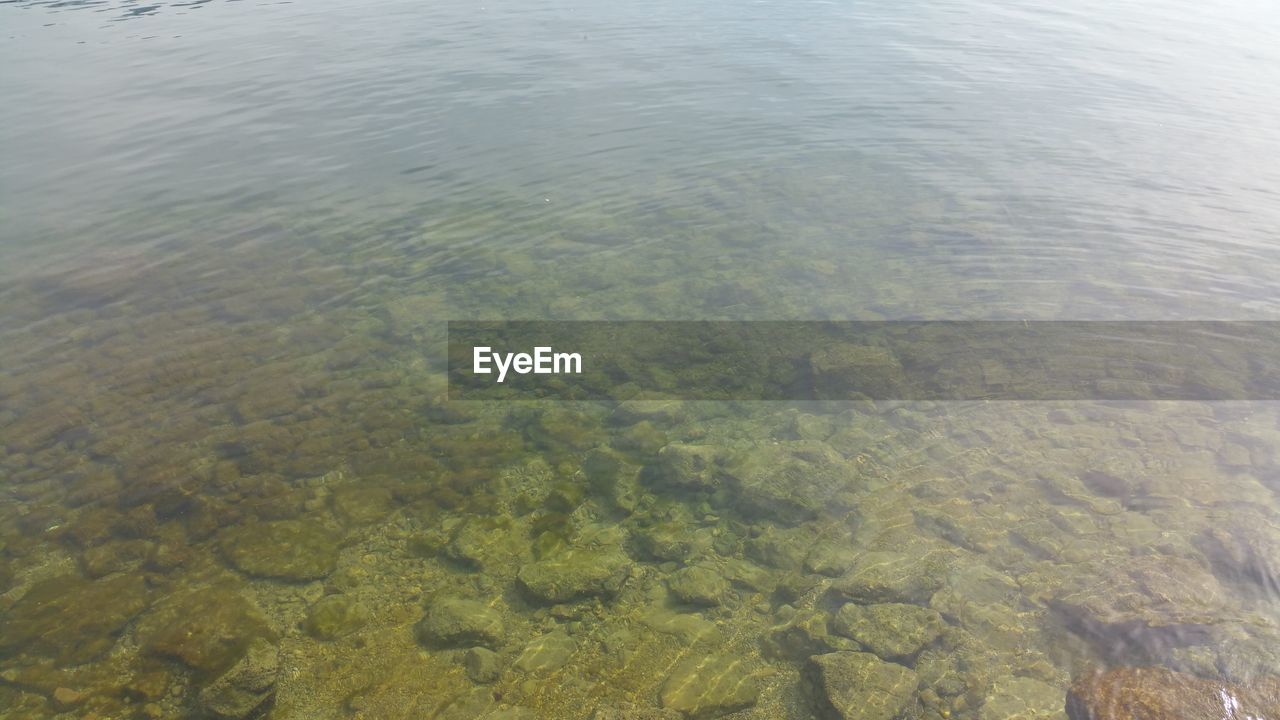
[236, 496]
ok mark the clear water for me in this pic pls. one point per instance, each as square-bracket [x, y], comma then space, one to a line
[231, 232]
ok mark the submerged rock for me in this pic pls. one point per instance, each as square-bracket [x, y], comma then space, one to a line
[710, 686]
[1151, 693]
[861, 686]
[698, 585]
[671, 540]
[892, 631]
[1247, 550]
[576, 573]
[483, 665]
[1022, 698]
[886, 576]
[244, 688]
[455, 622]
[802, 635]
[70, 619]
[691, 466]
[1142, 603]
[285, 549]
[335, 616]
[208, 629]
[852, 371]
[790, 482]
[547, 653]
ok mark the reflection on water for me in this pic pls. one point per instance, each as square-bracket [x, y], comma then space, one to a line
[233, 485]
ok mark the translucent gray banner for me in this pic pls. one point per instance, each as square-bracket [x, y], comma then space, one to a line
[894, 360]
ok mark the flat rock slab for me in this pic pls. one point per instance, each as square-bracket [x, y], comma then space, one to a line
[1158, 694]
[455, 622]
[709, 686]
[890, 630]
[295, 550]
[70, 619]
[861, 686]
[576, 573]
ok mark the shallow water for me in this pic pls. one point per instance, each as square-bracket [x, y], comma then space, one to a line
[231, 232]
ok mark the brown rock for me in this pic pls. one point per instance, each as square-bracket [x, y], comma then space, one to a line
[1150, 693]
[66, 698]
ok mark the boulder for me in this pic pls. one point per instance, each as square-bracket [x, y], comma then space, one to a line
[861, 686]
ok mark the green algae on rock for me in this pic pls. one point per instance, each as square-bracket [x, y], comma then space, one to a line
[296, 550]
[72, 620]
